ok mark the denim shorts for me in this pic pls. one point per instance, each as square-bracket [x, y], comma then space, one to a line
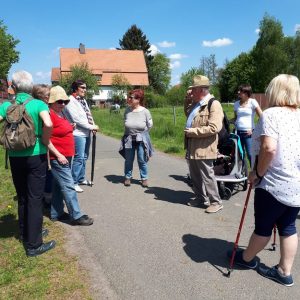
[268, 212]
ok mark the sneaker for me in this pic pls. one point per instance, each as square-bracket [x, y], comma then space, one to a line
[45, 232]
[127, 182]
[40, 250]
[78, 189]
[213, 208]
[85, 182]
[145, 183]
[238, 259]
[84, 220]
[194, 203]
[274, 274]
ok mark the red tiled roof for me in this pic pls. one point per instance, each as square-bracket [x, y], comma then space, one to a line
[55, 74]
[130, 63]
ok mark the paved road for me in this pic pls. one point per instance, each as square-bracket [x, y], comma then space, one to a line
[148, 244]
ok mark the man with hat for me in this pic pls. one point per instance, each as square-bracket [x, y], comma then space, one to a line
[201, 140]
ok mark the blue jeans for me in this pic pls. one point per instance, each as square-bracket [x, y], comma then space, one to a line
[63, 189]
[246, 141]
[129, 158]
[82, 148]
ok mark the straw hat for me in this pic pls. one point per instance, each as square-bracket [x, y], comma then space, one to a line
[200, 81]
[57, 93]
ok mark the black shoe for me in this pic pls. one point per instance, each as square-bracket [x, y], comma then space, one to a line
[63, 217]
[41, 249]
[84, 220]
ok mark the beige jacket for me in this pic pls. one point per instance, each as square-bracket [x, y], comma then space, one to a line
[202, 139]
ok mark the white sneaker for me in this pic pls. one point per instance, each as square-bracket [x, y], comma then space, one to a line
[78, 189]
[85, 182]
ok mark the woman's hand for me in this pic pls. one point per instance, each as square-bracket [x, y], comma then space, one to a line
[253, 179]
[62, 159]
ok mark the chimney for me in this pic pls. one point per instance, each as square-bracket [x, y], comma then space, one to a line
[81, 48]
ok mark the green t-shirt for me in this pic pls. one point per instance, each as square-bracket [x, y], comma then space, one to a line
[34, 107]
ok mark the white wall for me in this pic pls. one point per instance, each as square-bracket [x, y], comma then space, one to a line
[105, 94]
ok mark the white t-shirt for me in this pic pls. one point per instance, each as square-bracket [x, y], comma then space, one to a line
[245, 115]
[282, 179]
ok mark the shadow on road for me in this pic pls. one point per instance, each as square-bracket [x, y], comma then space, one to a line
[212, 250]
[164, 194]
[117, 179]
[8, 226]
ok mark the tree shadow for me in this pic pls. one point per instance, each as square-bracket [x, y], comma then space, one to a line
[211, 250]
[117, 179]
[165, 194]
[9, 226]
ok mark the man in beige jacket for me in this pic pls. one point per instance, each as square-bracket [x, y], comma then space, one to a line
[201, 140]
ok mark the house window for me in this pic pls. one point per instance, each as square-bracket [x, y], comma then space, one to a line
[98, 77]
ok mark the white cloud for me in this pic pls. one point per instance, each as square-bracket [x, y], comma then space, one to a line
[166, 44]
[44, 76]
[217, 43]
[112, 48]
[297, 27]
[153, 50]
[175, 64]
[257, 30]
[177, 56]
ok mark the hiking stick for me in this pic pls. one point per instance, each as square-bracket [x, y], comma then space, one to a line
[274, 240]
[93, 158]
[239, 230]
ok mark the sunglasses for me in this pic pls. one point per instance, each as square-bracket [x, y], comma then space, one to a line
[65, 102]
[82, 87]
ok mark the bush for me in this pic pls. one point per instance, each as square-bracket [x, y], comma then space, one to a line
[154, 100]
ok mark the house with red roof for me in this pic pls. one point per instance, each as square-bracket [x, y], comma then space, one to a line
[104, 64]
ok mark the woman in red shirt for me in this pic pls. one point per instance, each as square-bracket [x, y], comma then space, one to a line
[62, 150]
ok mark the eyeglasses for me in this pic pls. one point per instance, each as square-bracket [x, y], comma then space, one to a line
[65, 102]
[82, 87]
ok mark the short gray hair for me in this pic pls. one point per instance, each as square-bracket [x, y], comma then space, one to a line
[22, 81]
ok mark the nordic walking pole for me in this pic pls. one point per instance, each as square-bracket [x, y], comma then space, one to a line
[239, 231]
[93, 158]
[274, 241]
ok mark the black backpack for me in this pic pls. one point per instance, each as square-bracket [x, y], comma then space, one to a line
[225, 131]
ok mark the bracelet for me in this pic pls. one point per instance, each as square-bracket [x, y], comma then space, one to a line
[257, 175]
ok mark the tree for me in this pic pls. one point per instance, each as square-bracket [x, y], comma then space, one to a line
[80, 71]
[160, 73]
[8, 54]
[269, 55]
[186, 78]
[208, 66]
[120, 86]
[239, 71]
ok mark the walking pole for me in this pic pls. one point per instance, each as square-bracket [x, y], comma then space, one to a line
[274, 240]
[93, 158]
[239, 231]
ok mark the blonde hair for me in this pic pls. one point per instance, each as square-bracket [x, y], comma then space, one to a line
[283, 90]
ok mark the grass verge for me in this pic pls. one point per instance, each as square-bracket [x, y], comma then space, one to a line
[54, 275]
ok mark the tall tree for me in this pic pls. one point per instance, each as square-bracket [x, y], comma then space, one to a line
[209, 67]
[8, 53]
[270, 57]
[80, 71]
[186, 78]
[160, 73]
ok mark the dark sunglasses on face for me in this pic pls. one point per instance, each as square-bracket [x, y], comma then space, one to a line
[83, 87]
[65, 102]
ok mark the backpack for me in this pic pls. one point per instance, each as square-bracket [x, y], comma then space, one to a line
[224, 133]
[18, 129]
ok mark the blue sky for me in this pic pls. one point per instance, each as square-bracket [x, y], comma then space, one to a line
[184, 30]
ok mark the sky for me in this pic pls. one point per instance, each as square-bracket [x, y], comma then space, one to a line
[184, 30]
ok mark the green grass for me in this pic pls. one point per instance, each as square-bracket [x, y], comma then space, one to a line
[167, 132]
[54, 275]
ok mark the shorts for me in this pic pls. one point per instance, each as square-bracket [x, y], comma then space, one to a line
[268, 212]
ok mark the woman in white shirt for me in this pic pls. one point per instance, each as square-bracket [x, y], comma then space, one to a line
[276, 176]
[244, 113]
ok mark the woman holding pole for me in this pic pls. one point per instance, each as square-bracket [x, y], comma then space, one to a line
[276, 176]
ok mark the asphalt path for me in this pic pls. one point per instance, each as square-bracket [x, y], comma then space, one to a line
[148, 244]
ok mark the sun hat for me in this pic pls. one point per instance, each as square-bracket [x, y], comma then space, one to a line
[199, 81]
[57, 93]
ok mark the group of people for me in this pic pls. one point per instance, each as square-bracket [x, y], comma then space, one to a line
[63, 127]
[274, 158]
